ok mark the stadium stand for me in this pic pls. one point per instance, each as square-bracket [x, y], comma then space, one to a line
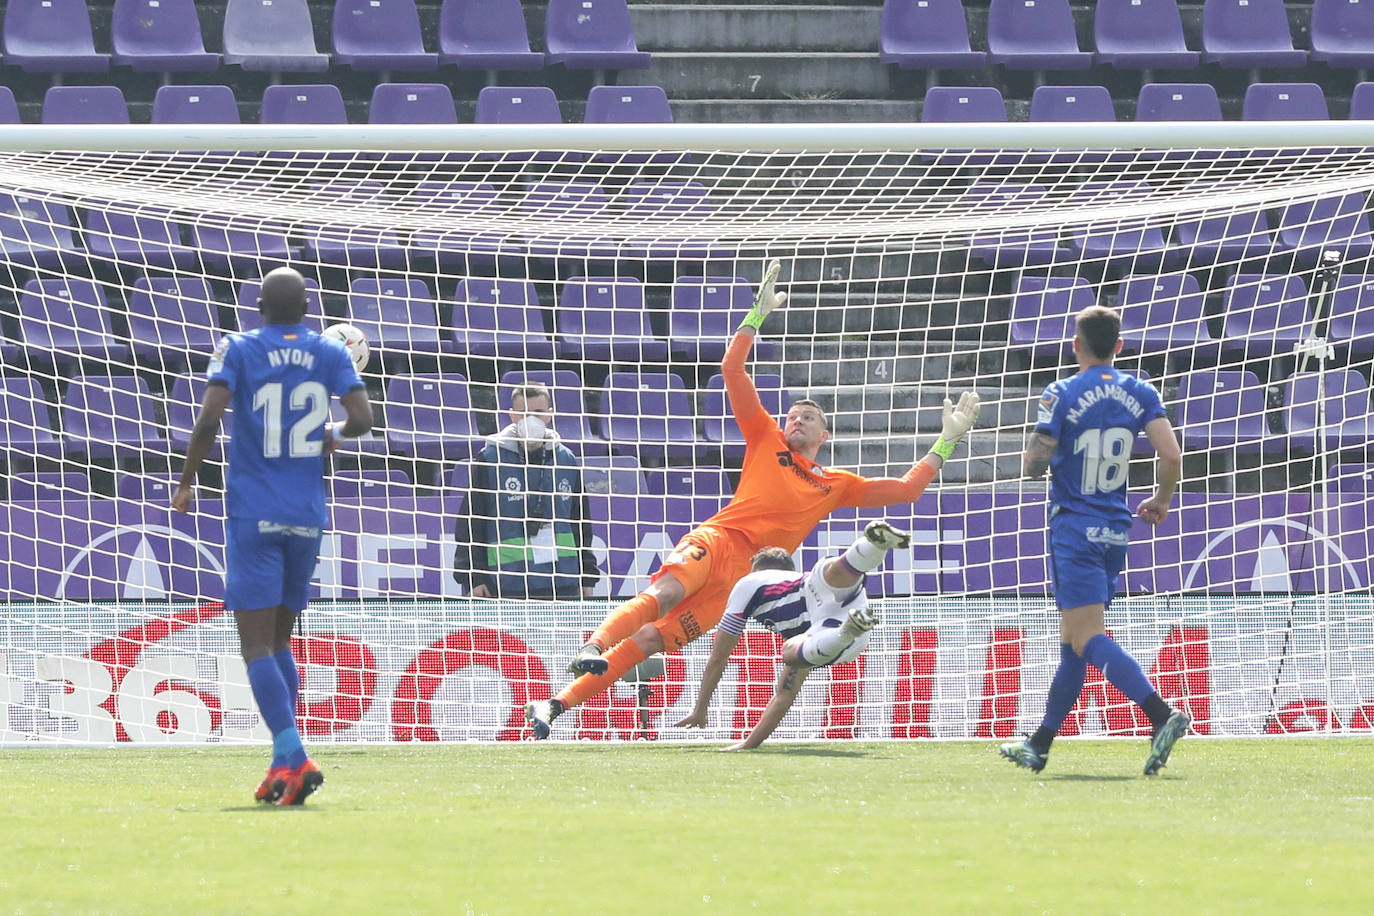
[271, 35]
[381, 36]
[1141, 35]
[51, 36]
[488, 35]
[85, 105]
[499, 318]
[927, 35]
[160, 36]
[592, 35]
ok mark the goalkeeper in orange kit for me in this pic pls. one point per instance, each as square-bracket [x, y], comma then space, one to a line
[782, 494]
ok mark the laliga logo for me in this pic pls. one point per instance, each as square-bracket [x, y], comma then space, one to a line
[143, 573]
[1271, 571]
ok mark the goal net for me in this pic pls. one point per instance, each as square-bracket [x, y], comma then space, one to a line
[611, 264]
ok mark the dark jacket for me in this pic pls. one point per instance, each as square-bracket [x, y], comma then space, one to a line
[516, 494]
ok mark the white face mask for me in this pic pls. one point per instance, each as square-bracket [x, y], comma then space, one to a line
[530, 429]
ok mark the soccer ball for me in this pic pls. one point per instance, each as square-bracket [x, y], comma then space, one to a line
[353, 340]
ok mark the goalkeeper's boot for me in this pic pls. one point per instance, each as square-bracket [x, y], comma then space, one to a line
[1023, 754]
[588, 661]
[859, 622]
[884, 535]
[267, 789]
[540, 714]
[295, 785]
[1175, 727]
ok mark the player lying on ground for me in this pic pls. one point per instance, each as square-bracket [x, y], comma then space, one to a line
[278, 379]
[1084, 431]
[823, 616]
[782, 494]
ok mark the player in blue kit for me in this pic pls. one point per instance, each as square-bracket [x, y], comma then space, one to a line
[1084, 431]
[279, 380]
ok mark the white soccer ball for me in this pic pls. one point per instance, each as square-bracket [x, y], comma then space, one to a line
[353, 340]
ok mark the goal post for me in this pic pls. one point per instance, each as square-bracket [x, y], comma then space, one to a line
[611, 263]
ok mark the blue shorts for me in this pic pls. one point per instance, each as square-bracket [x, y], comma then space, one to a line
[1086, 556]
[267, 565]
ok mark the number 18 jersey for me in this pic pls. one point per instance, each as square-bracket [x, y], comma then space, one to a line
[1096, 416]
[281, 377]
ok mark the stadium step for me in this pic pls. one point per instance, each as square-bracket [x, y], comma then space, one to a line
[767, 111]
[865, 362]
[781, 75]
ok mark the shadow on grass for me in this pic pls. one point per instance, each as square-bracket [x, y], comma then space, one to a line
[231, 809]
[1090, 777]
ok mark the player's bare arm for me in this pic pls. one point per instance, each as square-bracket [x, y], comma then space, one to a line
[721, 648]
[1036, 461]
[1168, 469]
[358, 421]
[203, 435]
[785, 691]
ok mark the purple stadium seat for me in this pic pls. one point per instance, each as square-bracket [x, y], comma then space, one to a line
[348, 486]
[603, 318]
[561, 205]
[1141, 35]
[485, 35]
[458, 250]
[37, 233]
[926, 35]
[249, 318]
[592, 35]
[1245, 34]
[33, 486]
[1012, 247]
[9, 109]
[380, 35]
[51, 36]
[517, 105]
[85, 105]
[1227, 237]
[499, 318]
[195, 105]
[397, 316]
[1072, 103]
[1347, 421]
[704, 314]
[430, 416]
[66, 321]
[1352, 315]
[1284, 102]
[144, 240]
[618, 474]
[1345, 479]
[271, 35]
[1329, 224]
[718, 418]
[182, 408]
[1043, 310]
[963, 103]
[1034, 35]
[1264, 315]
[1362, 102]
[1224, 410]
[628, 105]
[1343, 33]
[355, 245]
[147, 488]
[649, 415]
[159, 36]
[310, 104]
[173, 320]
[1178, 102]
[1164, 315]
[1138, 244]
[412, 103]
[249, 248]
[571, 411]
[25, 426]
[109, 416]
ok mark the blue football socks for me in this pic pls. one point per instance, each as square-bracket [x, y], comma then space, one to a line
[1118, 667]
[274, 700]
[291, 674]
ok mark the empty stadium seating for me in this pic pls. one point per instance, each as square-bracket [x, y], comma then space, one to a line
[271, 35]
[51, 36]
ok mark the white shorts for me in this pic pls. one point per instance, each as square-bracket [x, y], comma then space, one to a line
[829, 607]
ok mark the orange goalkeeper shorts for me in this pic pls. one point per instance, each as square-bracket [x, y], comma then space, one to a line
[708, 561]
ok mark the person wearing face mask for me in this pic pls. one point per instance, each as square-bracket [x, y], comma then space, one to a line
[522, 530]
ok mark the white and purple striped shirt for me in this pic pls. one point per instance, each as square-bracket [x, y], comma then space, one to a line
[786, 602]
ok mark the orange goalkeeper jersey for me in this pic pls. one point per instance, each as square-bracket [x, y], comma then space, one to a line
[781, 495]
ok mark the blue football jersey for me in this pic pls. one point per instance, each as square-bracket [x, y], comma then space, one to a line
[1096, 416]
[282, 377]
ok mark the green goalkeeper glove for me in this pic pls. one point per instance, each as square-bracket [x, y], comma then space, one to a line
[767, 299]
[955, 422]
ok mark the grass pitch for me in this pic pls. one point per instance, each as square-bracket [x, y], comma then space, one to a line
[1283, 826]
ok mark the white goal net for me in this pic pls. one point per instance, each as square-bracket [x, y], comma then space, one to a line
[612, 265]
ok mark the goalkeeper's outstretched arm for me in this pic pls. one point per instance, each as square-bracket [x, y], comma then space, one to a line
[744, 397]
[955, 422]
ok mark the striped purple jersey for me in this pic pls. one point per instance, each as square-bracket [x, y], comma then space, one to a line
[783, 601]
